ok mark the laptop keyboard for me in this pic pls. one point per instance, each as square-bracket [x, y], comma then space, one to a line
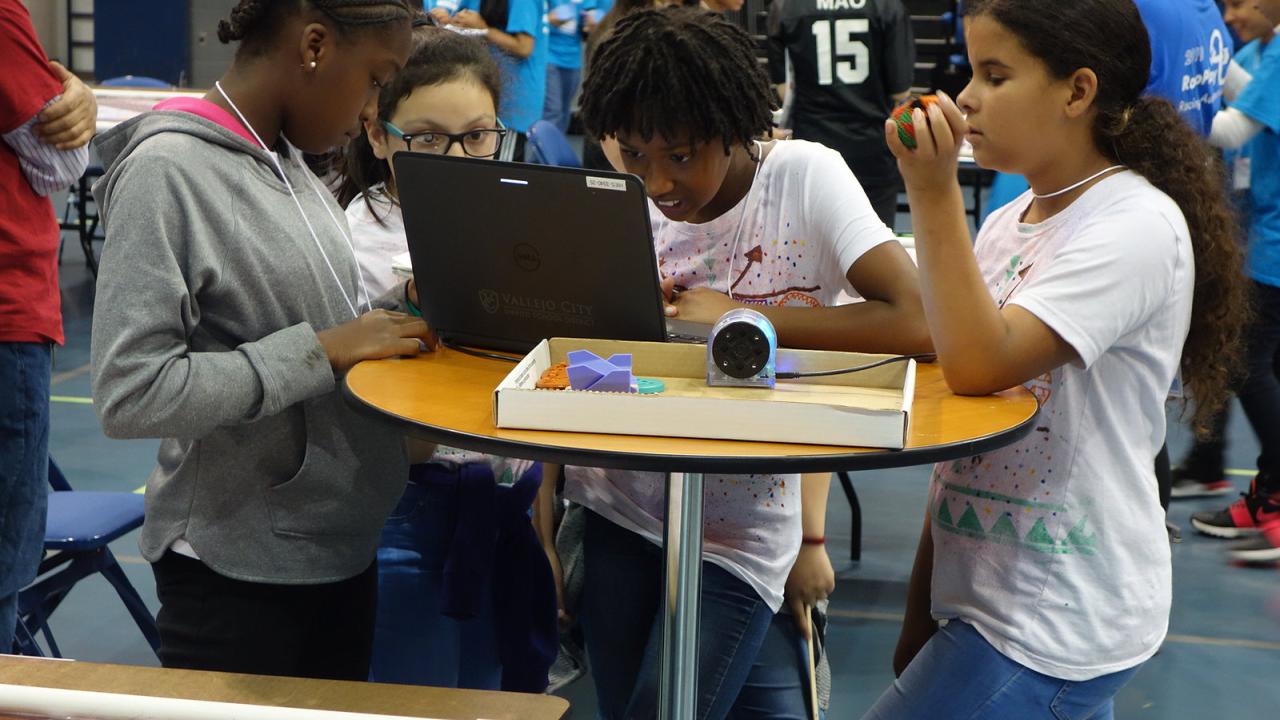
[689, 339]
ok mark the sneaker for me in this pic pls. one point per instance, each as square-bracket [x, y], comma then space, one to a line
[569, 666]
[1264, 547]
[1242, 519]
[1191, 483]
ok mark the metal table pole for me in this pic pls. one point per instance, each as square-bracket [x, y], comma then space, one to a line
[678, 689]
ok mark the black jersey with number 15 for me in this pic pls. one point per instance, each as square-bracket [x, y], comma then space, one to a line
[848, 58]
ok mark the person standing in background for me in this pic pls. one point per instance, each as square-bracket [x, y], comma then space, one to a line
[564, 63]
[851, 65]
[517, 29]
[46, 120]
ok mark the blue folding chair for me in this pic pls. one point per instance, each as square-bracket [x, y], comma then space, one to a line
[549, 146]
[80, 526]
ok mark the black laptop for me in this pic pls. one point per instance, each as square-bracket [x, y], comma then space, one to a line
[507, 254]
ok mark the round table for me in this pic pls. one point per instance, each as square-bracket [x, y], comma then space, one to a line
[447, 397]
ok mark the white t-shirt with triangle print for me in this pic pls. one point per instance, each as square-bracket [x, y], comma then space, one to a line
[1054, 548]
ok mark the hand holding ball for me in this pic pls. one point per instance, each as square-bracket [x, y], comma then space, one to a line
[902, 118]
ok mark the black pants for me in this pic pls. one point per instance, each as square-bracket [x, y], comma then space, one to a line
[211, 622]
[883, 195]
[1164, 477]
[522, 144]
[1259, 394]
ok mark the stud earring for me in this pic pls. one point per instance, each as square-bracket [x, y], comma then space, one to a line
[310, 66]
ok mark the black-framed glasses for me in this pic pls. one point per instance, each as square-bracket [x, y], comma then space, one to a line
[480, 143]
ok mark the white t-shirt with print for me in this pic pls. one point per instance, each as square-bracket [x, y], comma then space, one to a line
[375, 245]
[804, 223]
[1054, 548]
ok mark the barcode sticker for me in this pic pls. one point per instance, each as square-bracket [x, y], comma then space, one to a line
[600, 183]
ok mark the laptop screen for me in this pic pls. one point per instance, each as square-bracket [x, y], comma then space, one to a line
[507, 254]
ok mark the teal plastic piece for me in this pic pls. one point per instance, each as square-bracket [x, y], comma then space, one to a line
[650, 386]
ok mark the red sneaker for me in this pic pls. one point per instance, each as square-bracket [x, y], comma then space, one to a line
[1243, 518]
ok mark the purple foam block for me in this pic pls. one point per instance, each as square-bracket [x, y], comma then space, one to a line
[588, 371]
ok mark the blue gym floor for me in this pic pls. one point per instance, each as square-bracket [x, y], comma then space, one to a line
[1221, 659]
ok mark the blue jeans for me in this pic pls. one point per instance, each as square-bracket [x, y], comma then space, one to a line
[958, 674]
[24, 471]
[562, 85]
[750, 663]
[413, 641]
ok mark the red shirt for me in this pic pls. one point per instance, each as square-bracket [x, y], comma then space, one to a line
[30, 306]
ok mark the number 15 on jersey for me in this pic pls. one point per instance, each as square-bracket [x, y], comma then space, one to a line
[856, 68]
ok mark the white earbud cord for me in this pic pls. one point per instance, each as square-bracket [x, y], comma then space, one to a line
[298, 204]
[368, 301]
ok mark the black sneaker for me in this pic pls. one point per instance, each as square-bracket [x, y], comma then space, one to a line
[1263, 547]
[568, 666]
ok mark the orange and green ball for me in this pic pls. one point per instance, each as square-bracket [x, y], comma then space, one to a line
[904, 122]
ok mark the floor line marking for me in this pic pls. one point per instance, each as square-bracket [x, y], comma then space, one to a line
[69, 374]
[72, 399]
[1171, 637]
[1222, 642]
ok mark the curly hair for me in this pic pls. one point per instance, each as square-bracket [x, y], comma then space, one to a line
[255, 23]
[676, 72]
[1148, 135]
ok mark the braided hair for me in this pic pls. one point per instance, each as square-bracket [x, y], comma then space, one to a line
[254, 23]
[674, 72]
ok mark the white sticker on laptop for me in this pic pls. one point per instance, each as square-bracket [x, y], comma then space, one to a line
[600, 183]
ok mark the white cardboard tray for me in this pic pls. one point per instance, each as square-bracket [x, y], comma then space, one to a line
[866, 409]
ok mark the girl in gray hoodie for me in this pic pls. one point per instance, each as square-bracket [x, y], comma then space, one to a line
[228, 305]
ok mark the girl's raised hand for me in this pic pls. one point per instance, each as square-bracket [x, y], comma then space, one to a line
[939, 131]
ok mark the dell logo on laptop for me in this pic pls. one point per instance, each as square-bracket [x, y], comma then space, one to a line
[489, 301]
[527, 257]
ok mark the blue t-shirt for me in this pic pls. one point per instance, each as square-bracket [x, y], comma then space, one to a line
[526, 78]
[566, 41]
[1190, 53]
[1260, 101]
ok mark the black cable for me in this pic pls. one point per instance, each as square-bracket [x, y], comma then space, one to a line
[480, 353]
[842, 371]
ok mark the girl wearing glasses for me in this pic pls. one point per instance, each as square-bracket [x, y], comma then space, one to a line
[452, 610]
[443, 102]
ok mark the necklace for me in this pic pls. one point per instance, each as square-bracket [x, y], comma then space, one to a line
[746, 207]
[1085, 181]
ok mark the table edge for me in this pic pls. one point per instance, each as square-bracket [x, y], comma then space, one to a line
[650, 462]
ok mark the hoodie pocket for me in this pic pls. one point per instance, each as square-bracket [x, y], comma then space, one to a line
[333, 493]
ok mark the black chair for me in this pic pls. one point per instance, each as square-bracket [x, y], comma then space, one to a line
[85, 223]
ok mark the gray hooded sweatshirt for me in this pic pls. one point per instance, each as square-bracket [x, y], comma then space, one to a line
[210, 293]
